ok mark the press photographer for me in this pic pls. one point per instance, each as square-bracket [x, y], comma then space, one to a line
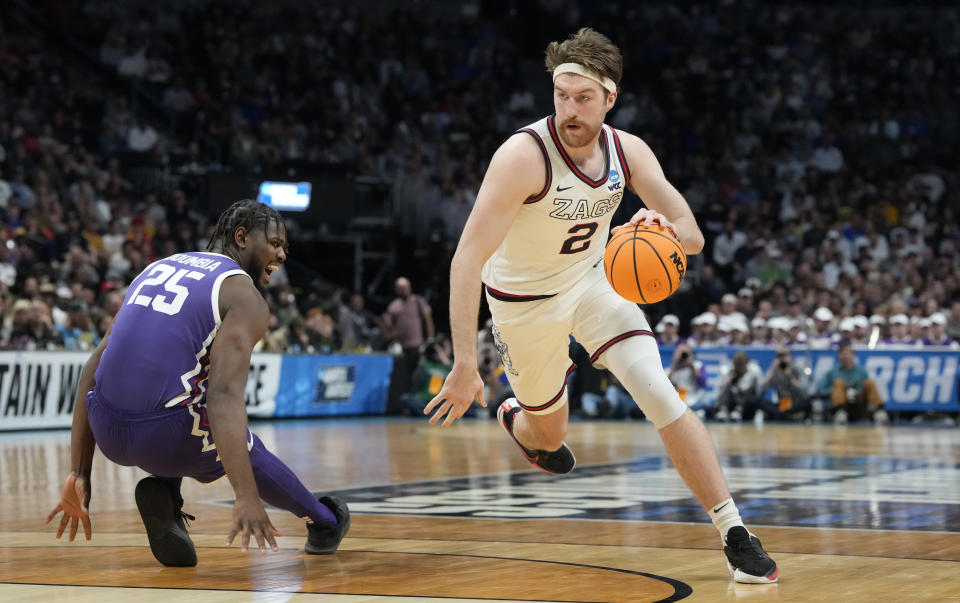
[789, 383]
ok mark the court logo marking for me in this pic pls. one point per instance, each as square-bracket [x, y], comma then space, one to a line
[789, 491]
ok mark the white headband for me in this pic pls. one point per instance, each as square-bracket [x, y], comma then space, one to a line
[579, 69]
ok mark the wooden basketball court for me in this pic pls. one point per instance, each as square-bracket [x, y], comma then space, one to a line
[849, 513]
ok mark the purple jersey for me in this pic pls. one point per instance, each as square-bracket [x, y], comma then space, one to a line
[159, 348]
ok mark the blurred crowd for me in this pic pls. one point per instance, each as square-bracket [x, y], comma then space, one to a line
[817, 145]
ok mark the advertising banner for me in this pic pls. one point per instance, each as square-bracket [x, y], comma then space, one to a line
[908, 379]
[313, 385]
[38, 389]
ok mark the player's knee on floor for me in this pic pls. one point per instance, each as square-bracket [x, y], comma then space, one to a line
[641, 373]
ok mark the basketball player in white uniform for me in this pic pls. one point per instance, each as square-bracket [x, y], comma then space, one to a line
[534, 243]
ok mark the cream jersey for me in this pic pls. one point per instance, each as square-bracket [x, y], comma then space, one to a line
[560, 233]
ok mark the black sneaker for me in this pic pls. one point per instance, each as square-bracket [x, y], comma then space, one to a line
[160, 509]
[323, 538]
[559, 461]
[747, 561]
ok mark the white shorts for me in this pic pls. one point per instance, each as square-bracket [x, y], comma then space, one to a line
[532, 335]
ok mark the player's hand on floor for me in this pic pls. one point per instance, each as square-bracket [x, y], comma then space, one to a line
[461, 387]
[74, 503]
[647, 217]
[250, 519]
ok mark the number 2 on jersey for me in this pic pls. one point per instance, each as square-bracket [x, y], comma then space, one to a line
[569, 244]
[169, 277]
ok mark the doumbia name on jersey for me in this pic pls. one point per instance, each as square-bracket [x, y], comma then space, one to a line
[568, 209]
[208, 264]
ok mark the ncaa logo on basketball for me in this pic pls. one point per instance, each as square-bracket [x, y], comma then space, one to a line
[678, 263]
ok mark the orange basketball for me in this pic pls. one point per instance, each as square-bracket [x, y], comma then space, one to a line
[645, 264]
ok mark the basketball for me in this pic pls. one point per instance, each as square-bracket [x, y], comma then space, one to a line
[645, 264]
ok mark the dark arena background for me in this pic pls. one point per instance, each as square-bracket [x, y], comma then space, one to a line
[816, 144]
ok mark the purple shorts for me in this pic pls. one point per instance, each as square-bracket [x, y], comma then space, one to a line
[170, 442]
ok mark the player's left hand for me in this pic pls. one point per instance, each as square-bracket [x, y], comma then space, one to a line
[74, 502]
[648, 217]
[461, 387]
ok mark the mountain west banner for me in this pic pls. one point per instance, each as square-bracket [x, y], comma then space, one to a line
[38, 389]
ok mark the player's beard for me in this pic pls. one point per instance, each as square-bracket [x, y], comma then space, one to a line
[586, 135]
[255, 269]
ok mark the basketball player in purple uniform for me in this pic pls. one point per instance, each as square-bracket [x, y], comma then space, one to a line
[164, 392]
[534, 241]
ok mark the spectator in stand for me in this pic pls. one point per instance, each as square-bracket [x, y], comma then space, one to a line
[938, 333]
[953, 321]
[142, 137]
[724, 329]
[740, 334]
[704, 331]
[725, 246]
[822, 336]
[427, 380]
[779, 331]
[759, 333]
[668, 330]
[861, 329]
[79, 333]
[740, 389]
[790, 399]
[796, 331]
[409, 321]
[899, 331]
[32, 327]
[728, 308]
[688, 376]
[845, 328]
[878, 326]
[851, 393]
[919, 328]
[321, 332]
[365, 327]
[745, 302]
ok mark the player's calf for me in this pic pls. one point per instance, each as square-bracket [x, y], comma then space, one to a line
[557, 461]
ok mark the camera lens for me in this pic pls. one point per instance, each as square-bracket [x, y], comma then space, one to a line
[684, 355]
[784, 364]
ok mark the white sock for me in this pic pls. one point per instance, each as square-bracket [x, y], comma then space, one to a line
[724, 516]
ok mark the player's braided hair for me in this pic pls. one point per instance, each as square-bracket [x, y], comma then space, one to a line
[246, 213]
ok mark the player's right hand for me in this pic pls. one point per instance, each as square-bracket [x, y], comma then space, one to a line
[461, 387]
[74, 503]
[250, 518]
